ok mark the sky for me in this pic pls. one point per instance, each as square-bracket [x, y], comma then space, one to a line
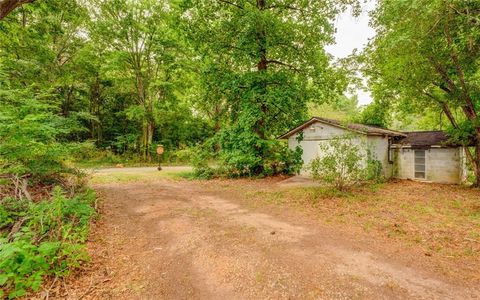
[353, 33]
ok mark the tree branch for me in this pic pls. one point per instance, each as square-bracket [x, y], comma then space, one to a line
[6, 6]
[469, 107]
[231, 3]
[282, 64]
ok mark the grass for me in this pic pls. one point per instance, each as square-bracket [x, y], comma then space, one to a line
[442, 219]
[144, 176]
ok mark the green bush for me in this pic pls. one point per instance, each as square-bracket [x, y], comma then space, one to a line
[201, 158]
[344, 162]
[247, 157]
[30, 135]
[49, 241]
[374, 169]
[180, 156]
[87, 154]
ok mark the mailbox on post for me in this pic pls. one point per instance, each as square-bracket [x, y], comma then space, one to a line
[160, 151]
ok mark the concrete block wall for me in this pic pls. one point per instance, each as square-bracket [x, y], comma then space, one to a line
[443, 165]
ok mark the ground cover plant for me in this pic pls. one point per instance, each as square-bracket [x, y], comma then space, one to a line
[42, 239]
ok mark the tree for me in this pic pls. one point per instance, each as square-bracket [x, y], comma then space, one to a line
[426, 54]
[6, 6]
[40, 94]
[376, 113]
[345, 108]
[141, 49]
[265, 61]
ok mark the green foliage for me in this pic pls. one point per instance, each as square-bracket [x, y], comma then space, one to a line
[201, 159]
[75, 59]
[30, 135]
[48, 243]
[259, 65]
[234, 158]
[143, 51]
[345, 161]
[248, 155]
[374, 169]
[180, 156]
[128, 75]
[345, 108]
[39, 90]
[374, 114]
[425, 58]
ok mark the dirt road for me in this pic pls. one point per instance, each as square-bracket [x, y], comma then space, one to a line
[198, 240]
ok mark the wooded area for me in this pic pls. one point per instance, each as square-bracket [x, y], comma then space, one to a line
[225, 78]
[213, 81]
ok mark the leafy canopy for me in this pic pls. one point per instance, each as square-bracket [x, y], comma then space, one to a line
[426, 56]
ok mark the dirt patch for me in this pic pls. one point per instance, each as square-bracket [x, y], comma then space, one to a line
[263, 223]
[206, 240]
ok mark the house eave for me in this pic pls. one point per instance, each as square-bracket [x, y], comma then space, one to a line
[314, 120]
[397, 146]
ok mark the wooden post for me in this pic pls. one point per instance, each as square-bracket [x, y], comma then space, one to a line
[160, 151]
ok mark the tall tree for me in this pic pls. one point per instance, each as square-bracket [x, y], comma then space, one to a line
[40, 96]
[427, 53]
[140, 46]
[264, 60]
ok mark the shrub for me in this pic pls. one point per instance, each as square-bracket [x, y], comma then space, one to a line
[202, 155]
[345, 162]
[180, 156]
[42, 239]
[244, 159]
[87, 154]
[32, 136]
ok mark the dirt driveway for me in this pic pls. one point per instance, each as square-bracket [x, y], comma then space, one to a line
[197, 240]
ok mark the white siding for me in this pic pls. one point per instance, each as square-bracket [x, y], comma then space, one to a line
[379, 147]
[312, 137]
[443, 165]
[319, 133]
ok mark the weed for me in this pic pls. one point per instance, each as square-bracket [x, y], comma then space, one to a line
[146, 176]
[48, 241]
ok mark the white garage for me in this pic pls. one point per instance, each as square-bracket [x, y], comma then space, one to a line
[425, 155]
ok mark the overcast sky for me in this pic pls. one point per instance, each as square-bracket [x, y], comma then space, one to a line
[353, 33]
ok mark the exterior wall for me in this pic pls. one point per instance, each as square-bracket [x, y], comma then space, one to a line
[313, 136]
[379, 147]
[318, 133]
[443, 165]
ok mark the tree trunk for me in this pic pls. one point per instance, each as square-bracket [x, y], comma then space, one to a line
[6, 6]
[151, 128]
[262, 68]
[473, 159]
[147, 139]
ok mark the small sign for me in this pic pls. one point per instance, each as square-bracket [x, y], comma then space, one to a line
[160, 150]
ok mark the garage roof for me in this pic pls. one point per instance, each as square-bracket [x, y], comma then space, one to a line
[359, 128]
[425, 139]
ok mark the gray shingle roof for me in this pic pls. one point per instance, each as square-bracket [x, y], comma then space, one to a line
[365, 129]
[425, 139]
